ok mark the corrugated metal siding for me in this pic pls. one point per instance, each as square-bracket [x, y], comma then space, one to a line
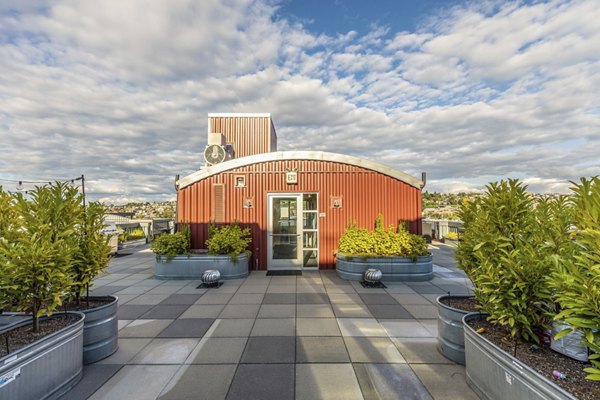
[249, 135]
[365, 194]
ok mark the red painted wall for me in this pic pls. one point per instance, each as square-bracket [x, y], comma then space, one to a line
[365, 194]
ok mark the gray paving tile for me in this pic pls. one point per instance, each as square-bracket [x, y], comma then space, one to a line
[128, 349]
[351, 311]
[404, 328]
[217, 351]
[311, 349]
[394, 288]
[274, 327]
[280, 298]
[107, 289]
[345, 298]
[134, 382]
[208, 382]
[411, 298]
[281, 288]
[378, 298]
[164, 289]
[144, 328]
[231, 328]
[326, 382]
[339, 289]
[277, 311]
[147, 299]
[247, 298]
[388, 311]
[202, 311]
[361, 327]
[422, 311]
[165, 312]
[185, 299]
[132, 311]
[263, 382]
[445, 381]
[373, 350]
[187, 328]
[214, 298]
[94, 376]
[314, 311]
[431, 325]
[317, 327]
[269, 349]
[312, 298]
[240, 311]
[310, 288]
[165, 351]
[390, 382]
[259, 289]
[427, 289]
[420, 350]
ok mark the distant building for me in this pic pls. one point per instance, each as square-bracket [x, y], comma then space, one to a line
[296, 203]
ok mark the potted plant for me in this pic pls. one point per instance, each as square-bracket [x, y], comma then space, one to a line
[100, 331]
[505, 358]
[37, 248]
[398, 254]
[226, 251]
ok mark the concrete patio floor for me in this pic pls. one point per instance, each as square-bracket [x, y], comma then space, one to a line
[313, 336]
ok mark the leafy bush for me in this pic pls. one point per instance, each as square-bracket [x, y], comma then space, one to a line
[93, 253]
[506, 253]
[451, 236]
[171, 245]
[228, 239]
[577, 278]
[38, 247]
[132, 234]
[380, 242]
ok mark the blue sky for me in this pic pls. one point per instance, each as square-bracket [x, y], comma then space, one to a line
[469, 92]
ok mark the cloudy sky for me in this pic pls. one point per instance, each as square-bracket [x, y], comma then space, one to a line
[470, 92]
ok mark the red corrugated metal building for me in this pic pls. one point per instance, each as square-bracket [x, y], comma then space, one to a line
[296, 203]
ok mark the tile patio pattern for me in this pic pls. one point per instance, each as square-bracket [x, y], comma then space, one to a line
[313, 336]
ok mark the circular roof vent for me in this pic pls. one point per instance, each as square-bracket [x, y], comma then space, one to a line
[214, 154]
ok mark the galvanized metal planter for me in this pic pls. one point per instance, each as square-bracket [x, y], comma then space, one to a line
[100, 330]
[393, 269]
[45, 369]
[494, 374]
[451, 337]
[183, 267]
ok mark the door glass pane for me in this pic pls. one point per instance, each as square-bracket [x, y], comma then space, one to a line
[285, 228]
[309, 201]
[285, 247]
[310, 239]
[310, 258]
[310, 220]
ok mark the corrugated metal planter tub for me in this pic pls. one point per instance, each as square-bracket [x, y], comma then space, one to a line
[100, 330]
[394, 269]
[451, 337]
[494, 374]
[45, 369]
[183, 267]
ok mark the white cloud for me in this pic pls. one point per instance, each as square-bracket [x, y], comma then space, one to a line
[120, 90]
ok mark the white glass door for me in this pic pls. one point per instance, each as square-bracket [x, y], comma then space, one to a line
[284, 231]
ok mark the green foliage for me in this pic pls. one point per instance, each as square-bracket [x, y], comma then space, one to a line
[451, 236]
[360, 242]
[228, 239]
[506, 253]
[93, 253]
[42, 243]
[171, 245]
[577, 277]
[132, 234]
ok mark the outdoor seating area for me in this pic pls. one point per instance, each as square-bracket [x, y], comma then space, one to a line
[311, 336]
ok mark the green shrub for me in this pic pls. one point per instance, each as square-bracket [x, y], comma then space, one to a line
[228, 239]
[451, 236]
[132, 234]
[381, 242]
[171, 245]
[506, 255]
[577, 278]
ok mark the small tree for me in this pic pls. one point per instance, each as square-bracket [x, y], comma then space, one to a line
[93, 251]
[38, 258]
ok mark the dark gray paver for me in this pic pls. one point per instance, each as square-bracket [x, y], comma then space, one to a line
[94, 376]
[240, 311]
[175, 299]
[427, 289]
[191, 327]
[165, 312]
[312, 298]
[390, 382]
[144, 328]
[274, 327]
[377, 298]
[315, 349]
[202, 382]
[381, 311]
[106, 290]
[132, 311]
[269, 349]
[232, 328]
[263, 382]
[279, 298]
[422, 311]
[277, 311]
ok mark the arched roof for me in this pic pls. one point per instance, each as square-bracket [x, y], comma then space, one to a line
[298, 155]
